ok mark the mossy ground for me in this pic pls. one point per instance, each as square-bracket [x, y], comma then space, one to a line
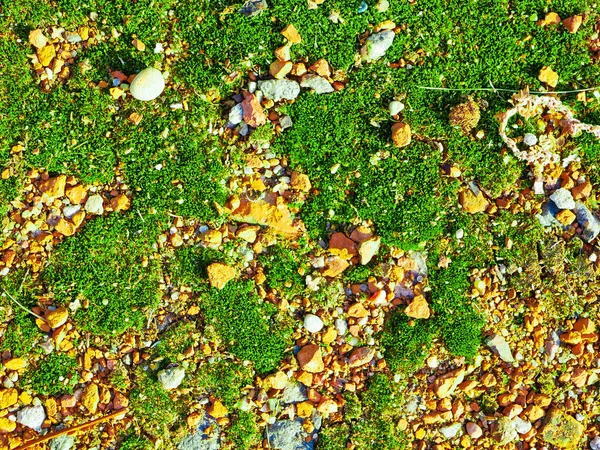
[113, 263]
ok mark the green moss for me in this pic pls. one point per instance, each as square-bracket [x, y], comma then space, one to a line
[224, 379]
[103, 265]
[136, 443]
[353, 407]
[333, 437]
[21, 334]
[282, 267]
[175, 341]
[55, 374]
[244, 432]
[246, 324]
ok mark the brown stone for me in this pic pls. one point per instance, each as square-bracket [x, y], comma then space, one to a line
[78, 218]
[300, 182]
[120, 203]
[299, 69]
[551, 19]
[262, 213]
[401, 134]
[565, 217]
[120, 401]
[548, 76]
[357, 310]
[283, 53]
[534, 412]
[279, 69]
[361, 356]
[584, 326]
[91, 398]
[277, 380]
[76, 194]
[573, 23]
[217, 410]
[321, 67]
[219, 274]
[572, 337]
[291, 34]
[472, 203]
[37, 38]
[46, 54]
[57, 317]
[582, 191]
[53, 187]
[253, 111]
[310, 360]
[512, 411]
[304, 409]
[65, 227]
[474, 430]
[445, 385]
[418, 309]
[339, 241]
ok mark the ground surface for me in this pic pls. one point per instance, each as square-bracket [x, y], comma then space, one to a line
[366, 264]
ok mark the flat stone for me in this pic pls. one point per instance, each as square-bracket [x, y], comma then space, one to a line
[15, 364]
[58, 317]
[396, 107]
[321, 67]
[445, 385]
[361, 356]
[236, 115]
[53, 187]
[563, 199]
[91, 398]
[588, 222]
[291, 34]
[217, 410]
[252, 111]
[76, 194]
[262, 213]
[340, 242]
[147, 85]
[171, 378]
[319, 84]
[561, 429]
[46, 54]
[376, 45]
[287, 435]
[522, 426]
[95, 205]
[418, 308]
[474, 430]
[504, 431]
[565, 217]
[573, 23]
[32, 417]
[219, 274]
[7, 425]
[471, 202]
[334, 266]
[450, 431]
[204, 437]
[279, 69]
[548, 76]
[499, 346]
[310, 359]
[300, 182]
[63, 442]
[120, 203]
[277, 90]
[37, 38]
[313, 323]
[254, 7]
[8, 397]
[401, 134]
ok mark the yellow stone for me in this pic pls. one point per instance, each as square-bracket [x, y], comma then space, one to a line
[15, 364]
[548, 76]
[57, 317]
[25, 398]
[8, 397]
[219, 274]
[7, 426]
[91, 398]
[217, 410]
[46, 54]
[304, 409]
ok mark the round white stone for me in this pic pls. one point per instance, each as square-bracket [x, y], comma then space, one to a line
[530, 139]
[313, 323]
[147, 85]
[396, 107]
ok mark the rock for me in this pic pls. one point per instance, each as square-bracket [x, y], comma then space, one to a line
[53, 187]
[120, 203]
[65, 227]
[120, 401]
[450, 431]
[217, 410]
[291, 34]
[561, 429]
[334, 266]
[572, 23]
[582, 191]
[595, 443]
[63, 442]
[319, 84]
[321, 67]
[342, 245]
[499, 346]
[279, 69]
[37, 38]
[91, 398]
[329, 336]
[376, 45]
[57, 317]
[236, 115]
[7, 425]
[283, 54]
[588, 222]
[504, 431]
[563, 199]
[300, 182]
[32, 417]
[171, 378]
[522, 426]
[46, 54]
[361, 356]
[548, 76]
[472, 203]
[8, 397]
[285, 122]
[254, 7]
[277, 90]
[204, 437]
[294, 393]
[418, 309]
[401, 134]
[278, 380]
[287, 435]
[313, 323]
[530, 139]
[219, 274]
[445, 385]
[368, 249]
[309, 358]
[382, 6]
[277, 217]
[252, 111]
[341, 326]
[75, 194]
[71, 210]
[550, 19]
[94, 205]
[248, 233]
[15, 364]
[147, 85]
[465, 115]
[474, 430]
[565, 217]
[396, 107]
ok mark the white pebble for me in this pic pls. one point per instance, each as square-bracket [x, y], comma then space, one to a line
[341, 326]
[530, 139]
[93, 205]
[396, 107]
[313, 323]
[460, 233]
[148, 84]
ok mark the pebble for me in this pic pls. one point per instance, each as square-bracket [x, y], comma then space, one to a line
[451, 431]
[588, 221]
[499, 345]
[563, 199]
[595, 443]
[148, 84]
[71, 210]
[313, 323]
[341, 326]
[319, 84]
[522, 426]
[277, 90]
[32, 417]
[376, 45]
[254, 7]
[236, 114]
[171, 378]
[530, 139]
[460, 233]
[396, 107]
[93, 205]
[63, 442]
[474, 430]
[382, 6]
[363, 7]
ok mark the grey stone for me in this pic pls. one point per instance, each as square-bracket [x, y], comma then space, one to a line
[236, 114]
[595, 443]
[171, 378]
[319, 84]
[396, 107]
[32, 417]
[563, 199]
[204, 437]
[451, 431]
[254, 7]
[94, 205]
[71, 210]
[499, 346]
[279, 89]
[505, 431]
[285, 122]
[530, 139]
[341, 326]
[377, 44]
[63, 442]
[288, 435]
[294, 393]
[587, 221]
[547, 218]
[522, 426]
